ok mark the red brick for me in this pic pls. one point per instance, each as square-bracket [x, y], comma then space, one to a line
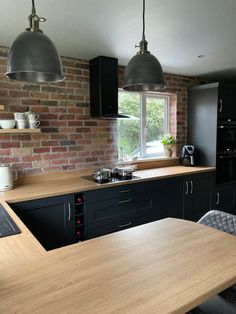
[58, 149]
[5, 152]
[9, 144]
[41, 150]
[15, 93]
[50, 143]
[50, 156]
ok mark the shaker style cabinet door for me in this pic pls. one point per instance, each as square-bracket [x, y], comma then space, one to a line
[51, 220]
[226, 103]
[200, 193]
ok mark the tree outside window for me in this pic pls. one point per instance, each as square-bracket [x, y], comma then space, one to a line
[140, 136]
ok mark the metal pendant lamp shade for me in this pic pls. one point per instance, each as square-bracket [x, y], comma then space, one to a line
[33, 56]
[144, 71]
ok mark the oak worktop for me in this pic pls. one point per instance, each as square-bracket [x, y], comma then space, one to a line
[167, 266]
[24, 246]
[75, 184]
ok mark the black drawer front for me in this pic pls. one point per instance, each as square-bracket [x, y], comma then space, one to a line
[120, 191]
[118, 226]
[117, 210]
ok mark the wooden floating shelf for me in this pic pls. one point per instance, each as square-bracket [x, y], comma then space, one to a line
[12, 131]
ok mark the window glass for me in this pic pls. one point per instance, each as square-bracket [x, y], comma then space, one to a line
[140, 136]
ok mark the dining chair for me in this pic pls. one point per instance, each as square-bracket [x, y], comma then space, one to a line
[224, 302]
[220, 220]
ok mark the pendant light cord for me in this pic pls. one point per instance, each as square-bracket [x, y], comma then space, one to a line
[33, 8]
[143, 20]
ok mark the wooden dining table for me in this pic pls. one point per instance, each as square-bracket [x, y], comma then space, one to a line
[167, 266]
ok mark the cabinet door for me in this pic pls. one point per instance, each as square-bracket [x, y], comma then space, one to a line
[225, 198]
[51, 220]
[174, 191]
[199, 197]
[226, 106]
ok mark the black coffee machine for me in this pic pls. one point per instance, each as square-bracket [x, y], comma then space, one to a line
[188, 155]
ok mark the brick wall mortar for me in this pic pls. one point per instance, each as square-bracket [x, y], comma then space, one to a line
[70, 138]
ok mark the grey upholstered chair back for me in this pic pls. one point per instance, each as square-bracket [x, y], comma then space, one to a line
[220, 220]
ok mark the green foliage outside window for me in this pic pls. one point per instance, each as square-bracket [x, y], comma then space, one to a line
[129, 130]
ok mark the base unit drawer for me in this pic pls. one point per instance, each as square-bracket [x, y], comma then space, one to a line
[118, 226]
[118, 191]
[118, 210]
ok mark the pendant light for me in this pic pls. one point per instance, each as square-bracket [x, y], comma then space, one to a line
[32, 56]
[144, 72]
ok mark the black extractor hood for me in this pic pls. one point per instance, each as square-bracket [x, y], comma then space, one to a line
[104, 88]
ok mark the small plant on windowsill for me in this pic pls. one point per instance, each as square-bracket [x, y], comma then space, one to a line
[168, 142]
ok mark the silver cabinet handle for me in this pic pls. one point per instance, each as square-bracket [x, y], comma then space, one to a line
[221, 105]
[124, 191]
[191, 187]
[125, 225]
[217, 198]
[125, 201]
[186, 191]
[69, 211]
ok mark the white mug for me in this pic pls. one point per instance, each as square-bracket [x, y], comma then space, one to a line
[33, 124]
[31, 115]
[19, 115]
[21, 124]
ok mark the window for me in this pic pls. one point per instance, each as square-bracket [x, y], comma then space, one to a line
[140, 136]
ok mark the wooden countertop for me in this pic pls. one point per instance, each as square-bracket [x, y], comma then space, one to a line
[76, 184]
[19, 248]
[167, 266]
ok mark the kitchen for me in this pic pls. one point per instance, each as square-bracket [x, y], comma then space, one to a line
[51, 160]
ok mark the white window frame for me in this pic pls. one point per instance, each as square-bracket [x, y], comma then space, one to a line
[143, 129]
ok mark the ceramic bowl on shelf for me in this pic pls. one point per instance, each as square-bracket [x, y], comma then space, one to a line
[7, 124]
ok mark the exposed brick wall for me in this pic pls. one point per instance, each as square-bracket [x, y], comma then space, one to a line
[70, 138]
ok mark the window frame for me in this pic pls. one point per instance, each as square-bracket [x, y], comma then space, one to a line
[143, 120]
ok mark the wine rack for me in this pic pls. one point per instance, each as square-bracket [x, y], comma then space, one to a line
[79, 217]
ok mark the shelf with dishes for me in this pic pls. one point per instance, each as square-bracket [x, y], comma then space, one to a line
[15, 131]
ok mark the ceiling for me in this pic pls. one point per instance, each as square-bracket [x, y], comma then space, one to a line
[178, 31]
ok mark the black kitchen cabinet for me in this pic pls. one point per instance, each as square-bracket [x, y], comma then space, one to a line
[188, 197]
[51, 220]
[198, 195]
[212, 127]
[113, 209]
[173, 197]
[225, 198]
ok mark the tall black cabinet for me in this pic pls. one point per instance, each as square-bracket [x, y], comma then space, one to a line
[212, 129]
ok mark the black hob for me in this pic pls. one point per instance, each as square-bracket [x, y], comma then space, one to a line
[112, 179]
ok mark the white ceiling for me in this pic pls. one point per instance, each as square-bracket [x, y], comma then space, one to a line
[177, 31]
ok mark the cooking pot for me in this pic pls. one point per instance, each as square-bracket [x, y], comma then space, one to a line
[102, 175]
[6, 177]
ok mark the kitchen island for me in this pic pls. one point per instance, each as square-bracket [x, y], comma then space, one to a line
[167, 266]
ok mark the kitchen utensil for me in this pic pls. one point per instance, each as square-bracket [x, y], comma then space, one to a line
[33, 124]
[31, 115]
[6, 177]
[21, 124]
[102, 175]
[7, 124]
[125, 172]
[19, 116]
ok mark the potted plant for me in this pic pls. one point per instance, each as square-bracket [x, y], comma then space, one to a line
[168, 142]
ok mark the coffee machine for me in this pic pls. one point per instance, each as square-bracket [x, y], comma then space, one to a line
[188, 155]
